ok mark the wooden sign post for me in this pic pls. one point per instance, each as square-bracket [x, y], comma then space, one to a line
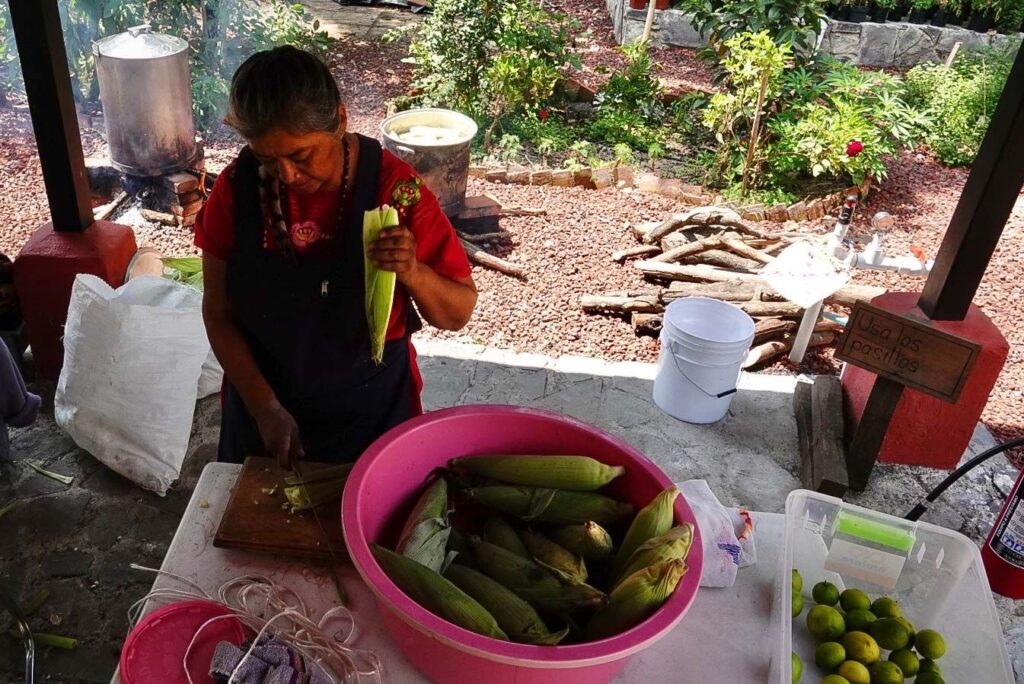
[904, 352]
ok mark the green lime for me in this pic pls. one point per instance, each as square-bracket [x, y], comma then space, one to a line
[884, 672]
[798, 667]
[910, 629]
[861, 647]
[929, 678]
[930, 644]
[825, 593]
[825, 623]
[854, 599]
[929, 666]
[886, 608]
[798, 581]
[890, 634]
[798, 603]
[859, 620]
[855, 672]
[907, 661]
[835, 679]
[829, 655]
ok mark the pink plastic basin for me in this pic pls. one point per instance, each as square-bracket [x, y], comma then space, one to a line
[384, 485]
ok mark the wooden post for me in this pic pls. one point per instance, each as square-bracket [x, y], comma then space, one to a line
[819, 420]
[51, 103]
[866, 442]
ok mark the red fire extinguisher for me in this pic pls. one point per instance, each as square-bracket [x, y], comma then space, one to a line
[1003, 552]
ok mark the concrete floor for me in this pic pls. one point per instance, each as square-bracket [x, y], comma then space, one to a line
[77, 541]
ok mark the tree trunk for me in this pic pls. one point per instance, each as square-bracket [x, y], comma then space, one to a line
[771, 328]
[623, 303]
[755, 131]
[640, 250]
[483, 258]
[718, 257]
[694, 272]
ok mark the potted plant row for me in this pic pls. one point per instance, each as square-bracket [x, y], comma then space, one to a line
[1007, 16]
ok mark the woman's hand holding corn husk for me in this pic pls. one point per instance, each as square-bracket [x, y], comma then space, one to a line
[529, 572]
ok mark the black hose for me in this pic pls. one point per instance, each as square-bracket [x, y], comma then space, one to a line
[917, 511]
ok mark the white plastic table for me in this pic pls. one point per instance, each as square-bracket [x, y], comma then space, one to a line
[724, 637]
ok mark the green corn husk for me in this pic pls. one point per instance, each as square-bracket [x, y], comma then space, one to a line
[552, 556]
[533, 583]
[636, 599]
[425, 535]
[673, 545]
[590, 541]
[186, 270]
[574, 473]
[338, 472]
[550, 505]
[499, 532]
[302, 497]
[514, 615]
[379, 284]
[437, 594]
[653, 520]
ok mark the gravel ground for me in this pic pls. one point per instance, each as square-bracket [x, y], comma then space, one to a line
[565, 253]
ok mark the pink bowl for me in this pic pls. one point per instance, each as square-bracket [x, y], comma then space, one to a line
[384, 485]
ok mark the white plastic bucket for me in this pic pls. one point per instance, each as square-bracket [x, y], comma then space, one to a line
[703, 345]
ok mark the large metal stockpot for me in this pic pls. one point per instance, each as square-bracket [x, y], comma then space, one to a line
[147, 101]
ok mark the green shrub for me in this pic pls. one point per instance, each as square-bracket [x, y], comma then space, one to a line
[809, 116]
[789, 22]
[635, 89]
[961, 100]
[489, 58]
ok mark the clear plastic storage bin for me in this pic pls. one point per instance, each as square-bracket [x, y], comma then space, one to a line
[936, 575]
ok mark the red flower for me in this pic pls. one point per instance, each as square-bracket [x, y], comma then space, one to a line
[543, 114]
[854, 148]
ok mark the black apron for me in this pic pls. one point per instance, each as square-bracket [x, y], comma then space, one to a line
[305, 322]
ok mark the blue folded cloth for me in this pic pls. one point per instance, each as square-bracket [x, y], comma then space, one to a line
[271, 662]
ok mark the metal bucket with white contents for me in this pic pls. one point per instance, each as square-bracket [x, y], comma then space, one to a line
[435, 142]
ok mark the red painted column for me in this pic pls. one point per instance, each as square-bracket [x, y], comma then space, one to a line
[45, 271]
[925, 430]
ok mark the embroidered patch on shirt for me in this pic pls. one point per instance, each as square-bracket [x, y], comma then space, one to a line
[305, 234]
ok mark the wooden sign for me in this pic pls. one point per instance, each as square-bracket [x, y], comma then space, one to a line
[908, 351]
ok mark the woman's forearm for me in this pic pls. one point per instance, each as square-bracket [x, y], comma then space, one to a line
[445, 303]
[235, 357]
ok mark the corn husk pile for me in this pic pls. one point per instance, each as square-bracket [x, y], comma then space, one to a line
[550, 560]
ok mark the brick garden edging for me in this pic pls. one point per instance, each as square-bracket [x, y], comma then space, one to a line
[627, 177]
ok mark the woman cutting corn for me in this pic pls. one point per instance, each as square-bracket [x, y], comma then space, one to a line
[281, 235]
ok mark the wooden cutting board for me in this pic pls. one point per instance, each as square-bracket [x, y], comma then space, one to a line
[256, 521]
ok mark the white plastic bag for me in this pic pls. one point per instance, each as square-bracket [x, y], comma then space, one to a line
[132, 364]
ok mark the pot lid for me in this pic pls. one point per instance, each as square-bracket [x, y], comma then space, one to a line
[139, 42]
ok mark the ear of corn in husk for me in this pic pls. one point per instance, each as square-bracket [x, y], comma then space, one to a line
[589, 540]
[425, 535]
[516, 617]
[554, 557]
[499, 532]
[575, 473]
[673, 545]
[653, 520]
[636, 598]
[437, 594]
[379, 284]
[533, 583]
[550, 505]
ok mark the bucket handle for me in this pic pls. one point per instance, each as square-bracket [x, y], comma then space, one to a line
[713, 395]
[404, 152]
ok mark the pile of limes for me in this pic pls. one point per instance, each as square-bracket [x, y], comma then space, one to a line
[851, 642]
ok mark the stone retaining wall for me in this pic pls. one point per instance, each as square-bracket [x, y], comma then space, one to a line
[893, 44]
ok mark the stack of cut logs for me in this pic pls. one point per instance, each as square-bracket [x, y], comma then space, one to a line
[181, 194]
[711, 252]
